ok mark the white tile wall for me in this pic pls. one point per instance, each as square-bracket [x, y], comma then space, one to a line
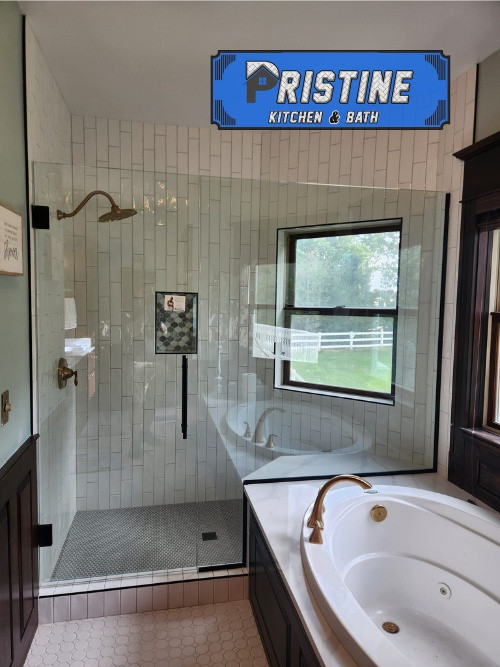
[393, 159]
[49, 140]
[130, 449]
[308, 422]
[124, 428]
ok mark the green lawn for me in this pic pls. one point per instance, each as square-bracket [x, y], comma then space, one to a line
[368, 369]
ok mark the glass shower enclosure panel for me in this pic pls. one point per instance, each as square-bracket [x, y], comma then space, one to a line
[216, 345]
[127, 489]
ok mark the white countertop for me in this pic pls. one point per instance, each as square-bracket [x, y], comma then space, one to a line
[279, 509]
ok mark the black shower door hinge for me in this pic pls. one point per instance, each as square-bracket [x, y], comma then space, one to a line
[44, 534]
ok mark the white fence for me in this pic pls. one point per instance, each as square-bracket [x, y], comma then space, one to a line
[355, 339]
[269, 341]
[296, 345]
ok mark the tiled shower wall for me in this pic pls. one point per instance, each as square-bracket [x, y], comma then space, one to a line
[405, 159]
[130, 451]
[403, 431]
[49, 140]
[392, 159]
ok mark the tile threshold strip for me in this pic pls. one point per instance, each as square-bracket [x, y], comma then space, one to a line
[132, 582]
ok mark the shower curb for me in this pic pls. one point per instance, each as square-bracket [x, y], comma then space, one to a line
[77, 605]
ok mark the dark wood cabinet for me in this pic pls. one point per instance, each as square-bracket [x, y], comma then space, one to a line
[18, 555]
[280, 628]
[474, 459]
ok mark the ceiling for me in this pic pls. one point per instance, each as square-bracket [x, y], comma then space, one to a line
[150, 61]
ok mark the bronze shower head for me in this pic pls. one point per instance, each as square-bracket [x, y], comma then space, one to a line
[116, 212]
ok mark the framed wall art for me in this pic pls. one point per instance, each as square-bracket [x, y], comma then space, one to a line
[11, 242]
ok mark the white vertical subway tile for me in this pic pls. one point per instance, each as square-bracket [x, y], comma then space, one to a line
[161, 595]
[95, 604]
[236, 588]
[144, 598]
[61, 608]
[175, 595]
[221, 590]
[111, 602]
[78, 607]
[45, 610]
[128, 600]
[190, 594]
[205, 591]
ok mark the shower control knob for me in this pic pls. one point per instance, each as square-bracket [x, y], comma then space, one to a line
[64, 374]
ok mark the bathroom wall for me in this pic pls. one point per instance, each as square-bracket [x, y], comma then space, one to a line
[488, 97]
[130, 449]
[117, 457]
[395, 159]
[14, 290]
[49, 139]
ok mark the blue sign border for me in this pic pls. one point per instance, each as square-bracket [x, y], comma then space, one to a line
[224, 121]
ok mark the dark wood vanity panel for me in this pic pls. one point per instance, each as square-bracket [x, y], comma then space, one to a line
[280, 627]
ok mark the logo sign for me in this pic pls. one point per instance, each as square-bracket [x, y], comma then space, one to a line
[294, 90]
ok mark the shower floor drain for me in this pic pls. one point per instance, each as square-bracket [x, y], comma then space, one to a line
[208, 536]
[390, 627]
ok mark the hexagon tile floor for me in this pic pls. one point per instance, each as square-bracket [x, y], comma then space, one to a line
[214, 634]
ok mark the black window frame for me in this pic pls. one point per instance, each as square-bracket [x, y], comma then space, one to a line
[289, 309]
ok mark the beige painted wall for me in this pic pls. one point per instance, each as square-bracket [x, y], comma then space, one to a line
[488, 97]
[14, 290]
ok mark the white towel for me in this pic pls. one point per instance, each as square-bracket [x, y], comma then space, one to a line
[69, 313]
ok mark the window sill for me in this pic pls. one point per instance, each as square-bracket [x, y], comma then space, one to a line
[484, 435]
[336, 394]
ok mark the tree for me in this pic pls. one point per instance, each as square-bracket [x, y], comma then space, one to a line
[358, 270]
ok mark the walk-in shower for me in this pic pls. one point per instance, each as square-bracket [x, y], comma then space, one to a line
[317, 354]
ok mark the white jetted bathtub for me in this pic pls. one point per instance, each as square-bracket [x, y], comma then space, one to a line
[430, 571]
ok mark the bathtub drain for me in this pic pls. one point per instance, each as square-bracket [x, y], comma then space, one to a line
[390, 627]
[445, 590]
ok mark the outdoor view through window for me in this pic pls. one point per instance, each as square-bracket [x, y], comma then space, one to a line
[341, 299]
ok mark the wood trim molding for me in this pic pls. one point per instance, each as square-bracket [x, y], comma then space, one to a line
[17, 455]
[474, 457]
[479, 147]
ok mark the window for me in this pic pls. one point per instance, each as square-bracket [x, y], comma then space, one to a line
[492, 402]
[339, 301]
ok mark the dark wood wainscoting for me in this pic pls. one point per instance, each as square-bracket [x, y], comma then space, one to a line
[18, 555]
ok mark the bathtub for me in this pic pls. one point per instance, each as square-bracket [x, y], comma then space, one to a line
[430, 570]
[240, 415]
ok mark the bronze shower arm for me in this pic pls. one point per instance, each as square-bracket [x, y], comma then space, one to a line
[61, 214]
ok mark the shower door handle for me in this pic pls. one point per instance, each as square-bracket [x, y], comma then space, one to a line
[184, 396]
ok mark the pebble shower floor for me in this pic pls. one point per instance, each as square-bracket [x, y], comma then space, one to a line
[142, 539]
[214, 634]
